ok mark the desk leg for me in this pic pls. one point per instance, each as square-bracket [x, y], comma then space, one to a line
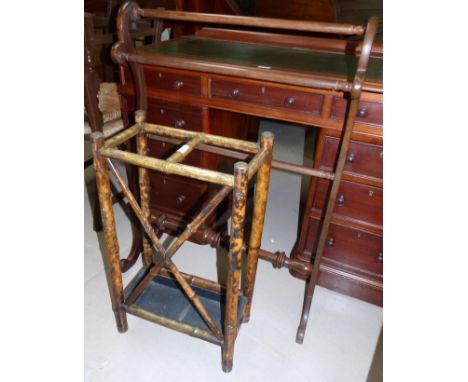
[111, 245]
[313, 279]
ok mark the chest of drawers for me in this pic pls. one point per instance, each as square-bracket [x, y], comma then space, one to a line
[352, 262]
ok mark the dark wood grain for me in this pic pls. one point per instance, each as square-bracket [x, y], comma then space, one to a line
[267, 95]
[368, 112]
[259, 22]
[166, 80]
[362, 159]
[349, 249]
[354, 201]
[323, 10]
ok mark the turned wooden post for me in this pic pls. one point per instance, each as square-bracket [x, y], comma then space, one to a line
[111, 246]
[239, 199]
[255, 242]
[353, 107]
[144, 183]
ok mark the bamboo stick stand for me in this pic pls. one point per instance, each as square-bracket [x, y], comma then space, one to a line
[159, 278]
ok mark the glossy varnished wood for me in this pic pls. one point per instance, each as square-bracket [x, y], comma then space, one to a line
[317, 84]
[349, 249]
[354, 201]
[364, 159]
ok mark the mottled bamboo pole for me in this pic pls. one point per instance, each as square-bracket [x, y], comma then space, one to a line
[111, 245]
[172, 324]
[239, 199]
[256, 162]
[123, 136]
[134, 282]
[185, 149]
[136, 208]
[197, 281]
[217, 140]
[152, 273]
[199, 219]
[192, 227]
[194, 299]
[170, 168]
[286, 166]
[144, 183]
[261, 197]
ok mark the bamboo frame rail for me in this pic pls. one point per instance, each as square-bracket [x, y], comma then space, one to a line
[173, 324]
[171, 165]
[194, 298]
[210, 139]
[196, 223]
[170, 168]
[281, 165]
[136, 208]
[160, 261]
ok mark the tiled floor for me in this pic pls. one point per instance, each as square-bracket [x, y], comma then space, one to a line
[340, 337]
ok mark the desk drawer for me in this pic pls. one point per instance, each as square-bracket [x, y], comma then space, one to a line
[349, 248]
[354, 200]
[362, 158]
[176, 195]
[267, 96]
[369, 112]
[173, 117]
[164, 80]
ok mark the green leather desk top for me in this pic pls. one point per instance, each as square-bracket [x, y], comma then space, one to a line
[264, 55]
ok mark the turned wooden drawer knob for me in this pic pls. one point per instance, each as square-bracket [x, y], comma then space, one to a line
[179, 123]
[331, 242]
[340, 200]
[379, 257]
[178, 84]
[362, 112]
[351, 158]
[180, 199]
[290, 101]
[234, 92]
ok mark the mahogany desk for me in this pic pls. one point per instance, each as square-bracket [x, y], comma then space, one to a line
[218, 81]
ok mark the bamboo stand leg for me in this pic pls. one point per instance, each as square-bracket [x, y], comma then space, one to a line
[261, 196]
[111, 255]
[144, 183]
[239, 196]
